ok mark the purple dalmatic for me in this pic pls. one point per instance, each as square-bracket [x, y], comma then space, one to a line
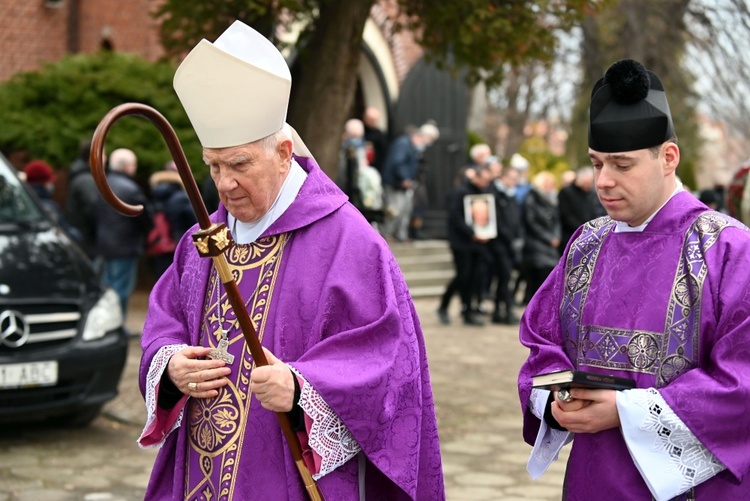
[326, 297]
[668, 307]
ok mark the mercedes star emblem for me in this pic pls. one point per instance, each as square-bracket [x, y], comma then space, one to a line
[14, 331]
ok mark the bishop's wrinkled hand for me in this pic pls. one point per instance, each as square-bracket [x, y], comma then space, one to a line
[273, 385]
[195, 376]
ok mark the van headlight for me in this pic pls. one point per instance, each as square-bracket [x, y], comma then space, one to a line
[105, 316]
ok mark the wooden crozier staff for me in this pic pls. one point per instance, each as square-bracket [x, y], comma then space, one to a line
[211, 241]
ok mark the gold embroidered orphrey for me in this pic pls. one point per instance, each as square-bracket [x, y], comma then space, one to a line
[666, 354]
[216, 425]
[221, 352]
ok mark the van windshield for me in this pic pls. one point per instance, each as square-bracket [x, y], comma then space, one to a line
[16, 205]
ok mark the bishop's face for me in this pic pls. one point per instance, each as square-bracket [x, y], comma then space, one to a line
[249, 177]
[632, 185]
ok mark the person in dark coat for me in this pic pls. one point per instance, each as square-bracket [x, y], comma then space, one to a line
[505, 248]
[82, 200]
[352, 156]
[375, 136]
[168, 195]
[470, 251]
[41, 178]
[400, 178]
[120, 240]
[711, 198]
[577, 204]
[541, 223]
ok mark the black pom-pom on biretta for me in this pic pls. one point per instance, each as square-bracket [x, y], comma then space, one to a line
[628, 81]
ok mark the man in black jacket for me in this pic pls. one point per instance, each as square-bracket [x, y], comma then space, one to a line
[375, 136]
[120, 240]
[506, 247]
[577, 204]
[168, 196]
[470, 251]
[82, 200]
[400, 178]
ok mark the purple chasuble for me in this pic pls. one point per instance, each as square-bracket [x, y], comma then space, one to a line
[668, 307]
[328, 298]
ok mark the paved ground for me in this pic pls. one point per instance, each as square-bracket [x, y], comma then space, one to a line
[474, 380]
[474, 371]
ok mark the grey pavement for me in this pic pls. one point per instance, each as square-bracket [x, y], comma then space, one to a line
[473, 372]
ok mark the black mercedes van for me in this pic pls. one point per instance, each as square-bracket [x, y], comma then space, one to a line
[62, 342]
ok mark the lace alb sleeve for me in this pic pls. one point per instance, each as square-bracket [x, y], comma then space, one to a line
[548, 441]
[155, 372]
[328, 436]
[670, 458]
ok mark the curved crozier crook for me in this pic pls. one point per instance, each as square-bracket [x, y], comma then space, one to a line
[175, 149]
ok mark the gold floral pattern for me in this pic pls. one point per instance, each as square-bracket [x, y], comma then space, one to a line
[214, 422]
[256, 254]
[206, 465]
[673, 366]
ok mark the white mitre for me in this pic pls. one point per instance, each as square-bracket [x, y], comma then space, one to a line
[236, 90]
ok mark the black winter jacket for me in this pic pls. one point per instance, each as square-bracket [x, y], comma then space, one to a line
[541, 226]
[460, 234]
[119, 236]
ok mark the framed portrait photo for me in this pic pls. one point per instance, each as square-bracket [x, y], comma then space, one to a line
[479, 212]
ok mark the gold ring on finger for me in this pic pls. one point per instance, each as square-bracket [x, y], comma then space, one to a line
[193, 386]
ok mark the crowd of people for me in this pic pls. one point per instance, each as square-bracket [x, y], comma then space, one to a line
[385, 180]
[532, 222]
[115, 243]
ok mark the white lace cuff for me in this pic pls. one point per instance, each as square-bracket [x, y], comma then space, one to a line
[548, 441]
[670, 458]
[328, 437]
[155, 372]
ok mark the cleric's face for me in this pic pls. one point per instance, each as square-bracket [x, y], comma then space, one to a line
[633, 185]
[249, 177]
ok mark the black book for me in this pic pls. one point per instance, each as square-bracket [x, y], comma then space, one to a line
[581, 379]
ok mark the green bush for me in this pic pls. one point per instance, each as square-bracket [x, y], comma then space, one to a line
[47, 113]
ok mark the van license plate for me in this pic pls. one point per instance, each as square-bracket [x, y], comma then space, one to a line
[28, 375]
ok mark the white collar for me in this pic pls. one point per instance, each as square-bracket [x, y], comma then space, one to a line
[623, 227]
[246, 233]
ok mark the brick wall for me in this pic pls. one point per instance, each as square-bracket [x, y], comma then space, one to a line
[32, 33]
[127, 24]
[406, 52]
